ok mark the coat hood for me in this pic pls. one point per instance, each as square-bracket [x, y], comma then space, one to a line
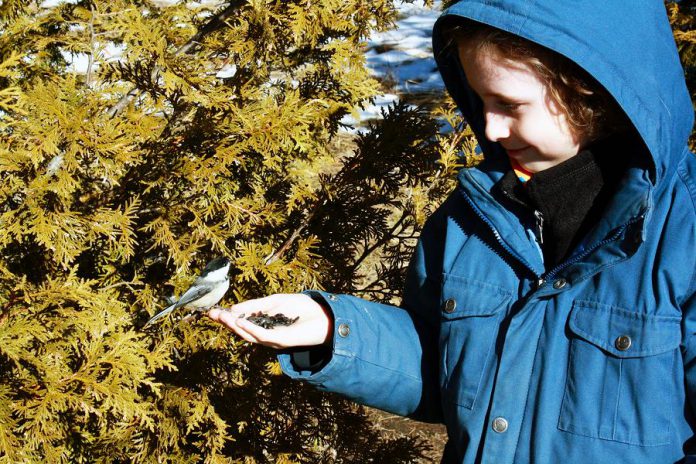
[628, 47]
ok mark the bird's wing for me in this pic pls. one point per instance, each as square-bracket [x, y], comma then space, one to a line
[193, 293]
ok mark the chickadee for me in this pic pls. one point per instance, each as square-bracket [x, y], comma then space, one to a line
[206, 291]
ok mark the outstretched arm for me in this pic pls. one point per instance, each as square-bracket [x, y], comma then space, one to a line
[375, 354]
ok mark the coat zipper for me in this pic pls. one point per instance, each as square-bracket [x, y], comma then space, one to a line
[543, 278]
[552, 273]
[496, 234]
[539, 226]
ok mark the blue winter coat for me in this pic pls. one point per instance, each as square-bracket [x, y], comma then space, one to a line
[593, 361]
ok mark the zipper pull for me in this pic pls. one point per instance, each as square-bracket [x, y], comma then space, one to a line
[539, 226]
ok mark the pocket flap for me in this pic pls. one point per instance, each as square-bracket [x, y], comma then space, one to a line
[463, 297]
[623, 333]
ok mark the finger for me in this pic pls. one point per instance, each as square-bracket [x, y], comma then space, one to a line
[243, 333]
[223, 316]
[217, 314]
[270, 338]
[230, 321]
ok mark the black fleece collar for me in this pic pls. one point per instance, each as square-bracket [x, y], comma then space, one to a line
[570, 196]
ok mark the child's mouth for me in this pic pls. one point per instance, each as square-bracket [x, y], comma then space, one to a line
[516, 152]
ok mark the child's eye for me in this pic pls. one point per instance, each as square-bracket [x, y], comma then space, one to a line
[509, 106]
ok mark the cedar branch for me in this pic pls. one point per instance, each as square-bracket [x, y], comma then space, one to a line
[215, 23]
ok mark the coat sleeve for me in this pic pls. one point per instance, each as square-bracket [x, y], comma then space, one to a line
[385, 356]
[689, 349]
[687, 173]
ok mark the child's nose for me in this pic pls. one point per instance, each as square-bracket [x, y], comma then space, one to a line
[497, 127]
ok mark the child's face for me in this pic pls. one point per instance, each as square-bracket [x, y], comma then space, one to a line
[519, 112]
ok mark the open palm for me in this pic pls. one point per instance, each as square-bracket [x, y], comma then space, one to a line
[313, 327]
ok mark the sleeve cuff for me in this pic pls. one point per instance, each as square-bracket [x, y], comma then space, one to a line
[315, 364]
[312, 359]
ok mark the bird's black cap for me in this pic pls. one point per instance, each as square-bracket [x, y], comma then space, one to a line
[215, 264]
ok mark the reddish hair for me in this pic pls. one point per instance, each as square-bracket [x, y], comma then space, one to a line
[590, 110]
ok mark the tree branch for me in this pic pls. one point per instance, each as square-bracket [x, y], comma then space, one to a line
[379, 243]
[90, 62]
[284, 247]
[215, 23]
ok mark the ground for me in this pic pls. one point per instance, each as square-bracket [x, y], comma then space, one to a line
[397, 426]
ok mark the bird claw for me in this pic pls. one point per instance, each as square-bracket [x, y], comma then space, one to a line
[192, 317]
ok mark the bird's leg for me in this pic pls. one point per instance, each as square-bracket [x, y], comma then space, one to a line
[192, 317]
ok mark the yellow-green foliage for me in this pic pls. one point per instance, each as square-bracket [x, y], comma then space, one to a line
[682, 16]
[120, 182]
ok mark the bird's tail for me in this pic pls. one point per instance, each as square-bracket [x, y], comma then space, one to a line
[160, 314]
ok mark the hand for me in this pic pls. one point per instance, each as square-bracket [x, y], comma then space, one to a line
[314, 326]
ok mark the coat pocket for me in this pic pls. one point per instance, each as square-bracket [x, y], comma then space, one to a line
[622, 374]
[470, 317]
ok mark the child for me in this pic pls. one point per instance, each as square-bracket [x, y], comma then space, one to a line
[549, 311]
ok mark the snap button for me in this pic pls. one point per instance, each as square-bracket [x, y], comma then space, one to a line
[343, 330]
[560, 283]
[623, 342]
[333, 297]
[500, 424]
[450, 305]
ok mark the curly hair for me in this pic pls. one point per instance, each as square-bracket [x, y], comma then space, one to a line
[587, 105]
